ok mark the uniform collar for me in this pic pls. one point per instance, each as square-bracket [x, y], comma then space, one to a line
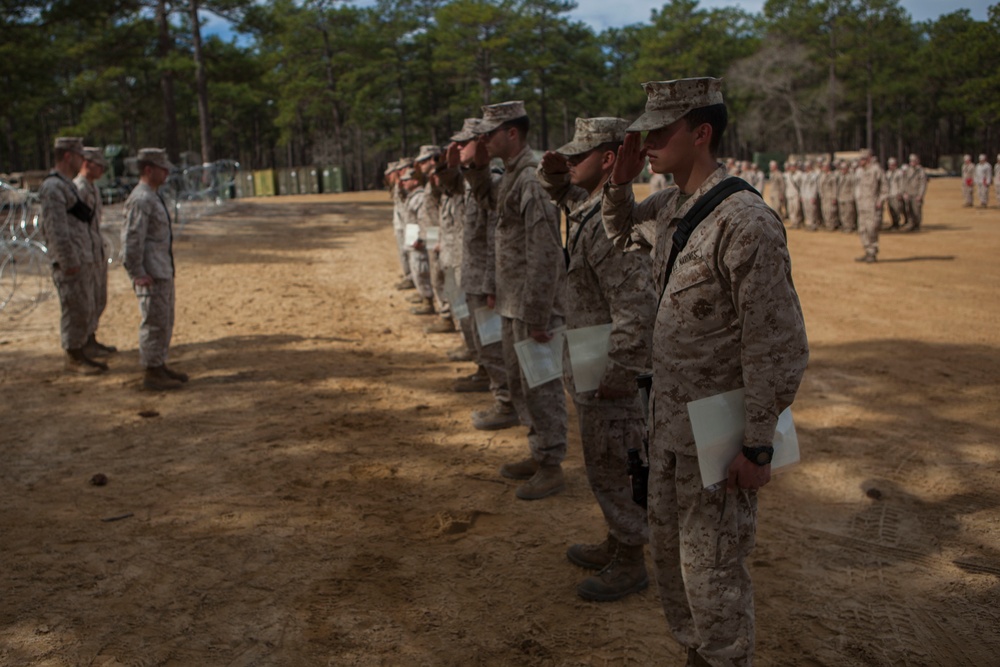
[583, 208]
[519, 159]
[713, 179]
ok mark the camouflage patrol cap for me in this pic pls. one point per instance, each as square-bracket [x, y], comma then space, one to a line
[668, 101]
[389, 168]
[982, 157]
[495, 115]
[592, 132]
[404, 162]
[468, 131]
[428, 152]
[94, 155]
[72, 144]
[156, 157]
[408, 174]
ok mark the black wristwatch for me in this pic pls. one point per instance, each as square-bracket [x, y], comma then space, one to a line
[759, 455]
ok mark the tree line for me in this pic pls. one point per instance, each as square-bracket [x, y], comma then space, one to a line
[328, 82]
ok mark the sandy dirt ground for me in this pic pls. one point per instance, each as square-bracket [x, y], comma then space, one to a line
[317, 496]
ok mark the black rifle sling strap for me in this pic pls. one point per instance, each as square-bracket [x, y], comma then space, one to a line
[570, 247]
[79, 210]
[698, 212]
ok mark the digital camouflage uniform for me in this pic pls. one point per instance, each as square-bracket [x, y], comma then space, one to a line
[984, 177]
[756, 178]
[870, 192]
[809, 192]
[449, 256]
[477, 268]
[894, 182]
[793, 198]
[605, 286]
[92, 198]
[775, 191]
[729, 317]
[530, 280]
[420, 269]
[828, 199]
[847, 209]
[70, 245]
[429, 219]
[996, 178]
[914, 189]
[147, 239]
[398, 196]
[968, 180]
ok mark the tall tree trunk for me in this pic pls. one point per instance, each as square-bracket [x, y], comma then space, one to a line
[201, 85]
[164, 45]
[832, 84]
[545, 115]
[402, 112]
[331, 85]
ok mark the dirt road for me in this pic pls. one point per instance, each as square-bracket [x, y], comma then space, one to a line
[317, 496]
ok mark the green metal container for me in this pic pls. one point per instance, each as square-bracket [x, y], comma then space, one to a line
[332, 179]
[309, 180]
[244, 184]
[264, 183]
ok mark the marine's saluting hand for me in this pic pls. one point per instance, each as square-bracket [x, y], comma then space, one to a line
[631, 159]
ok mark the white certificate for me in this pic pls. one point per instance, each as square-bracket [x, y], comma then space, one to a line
[411, 234]
[588, 355]
[541, 362]
[718, 423]
[489, 325]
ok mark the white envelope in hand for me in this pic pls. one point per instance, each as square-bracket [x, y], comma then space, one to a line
[489, 325]
[541, 362]
[718, 423]
[410, 234]
[588, 355]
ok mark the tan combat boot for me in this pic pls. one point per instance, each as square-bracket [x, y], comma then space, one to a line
[441, 326]
[176, 375]
[157, 379]
[497, 418]
[460, 354]
[78, 362]
[405, 284]
[426, 309]
[593, 556]
[94, 348]
[546, 482]
[624, 575]
[478, 381]
[524, 469]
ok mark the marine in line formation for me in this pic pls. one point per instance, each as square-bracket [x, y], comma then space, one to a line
[668, 311]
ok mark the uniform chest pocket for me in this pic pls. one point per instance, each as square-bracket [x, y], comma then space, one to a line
[685, 276]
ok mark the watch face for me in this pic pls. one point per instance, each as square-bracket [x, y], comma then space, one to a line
[763, 457]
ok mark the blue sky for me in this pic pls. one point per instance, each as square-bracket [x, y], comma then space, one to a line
[601, 14]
